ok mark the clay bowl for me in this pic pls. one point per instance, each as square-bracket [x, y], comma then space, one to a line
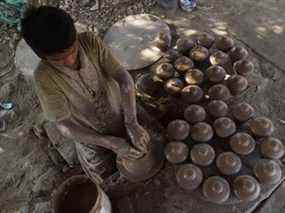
[219, 92]
[178, 130]
[217, 108]
[216, 74]
[272, 148]
[194, 114]
[237, 84]
[194, 77]
[261, 127]
[242, 143]
[184, 45]
[199, 53]
[205, 40]
[192, 94]
[176, 152]
[189, 177]
[224, 43]
[219, 58]
[238, 53]
[202, 154]
[228, 163]
[173, 86]
[267, 172]
[183, 64]
[165, 71]
[216, 190]
[202, 132]
[246, 188]
[243, 111]
[224, 127]
[243, 67]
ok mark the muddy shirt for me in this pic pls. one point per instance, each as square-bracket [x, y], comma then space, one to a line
[64, 92]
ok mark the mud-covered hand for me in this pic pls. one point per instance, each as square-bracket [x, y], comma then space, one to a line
[139, 137]
[128, 152]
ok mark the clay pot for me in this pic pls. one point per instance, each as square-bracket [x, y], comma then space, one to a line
[243, 67]
[228, 163]
[176, 152]
[173, 86]
[219, 92]
[272, 148]
[199, 53]
[237, 84]
[202, 154]
[224, 127]
[183, 64]
[189, 177]
[243, 111]
[194, 114]
[164, 71]
[178, 130]
[216, 189]
[146, 85]
[205, 40]
[224, 43]
[242, 143]
[163, 41]
[192, 94]
[238, 53]
[194, 77]
[216, 74]
[171, 55]
[217, 108]
[267, 172]
[246, 188]
[261, 127]
[219, 58]
[184, 45]
[202, 132]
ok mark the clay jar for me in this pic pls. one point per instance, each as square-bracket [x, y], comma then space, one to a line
[261, 127]
[194, 77]
[178, 130]
[199, 53]
[183, 64]
[219, 92]
[267, 172]
[164, 71]
[243, 111]
[202, 132]
[189, 177]
[184, 45]
[224, 127]
[238, 53]
[228, 163]
[176, 152]
[173, 86]
[194, 114]
[246, 188]
[243, 67]
[192, 94]
[202, 154]
[205, 40]
[216, 189]
[219, 58]
[216, 74]
[272, 148]
[237, 84]
[217, 108]
[242, 143]
[224, 43]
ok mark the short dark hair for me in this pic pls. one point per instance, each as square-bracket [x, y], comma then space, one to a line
[48, 30]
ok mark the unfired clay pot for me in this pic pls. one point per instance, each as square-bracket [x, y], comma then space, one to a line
[272, 148]
[242, 143]
[194, 114]
[202, 154]
[178, 130]
[176, 152]
[261, 127]
[228, 163]
[202, 132]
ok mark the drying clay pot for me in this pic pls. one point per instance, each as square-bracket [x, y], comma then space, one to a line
[243, 111]
[237, 84]
[171, 55]
[202, 154]
[178, 130]
[199, 53]
[219, 58]
[216, 74]
[183, 64]
[243, 67]
[176, 152]
[242, 143]
[217, 108]
[272, 148]
[224, 127]
[261, 127]
[219, 92]
[164, 71]
[194, 77]
[192, 94]
[202, 132]
[184, 45]
[205, 40]
[173, 86]
[224, 43]
[194, 114]
[238, 53]
[228, 163]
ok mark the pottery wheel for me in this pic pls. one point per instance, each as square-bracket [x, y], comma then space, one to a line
[132, 40]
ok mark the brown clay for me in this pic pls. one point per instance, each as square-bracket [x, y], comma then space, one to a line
[184, 45]
[267, 172]
[205, 40]
[261, 127]
[146, 85]
[217, 108]
[189, 177]
[228, 163]
[216, 189]
[202, 132]
[192, 94]
[242, 143]
[219, 92]
[176, 152]
[224, 127]
[243, 67]
[224, 43]
[194, 77]
[243, 111]
[246, 188]
[272, 148]
[216, 74]
[199, 53]
[202, 154]
[171, 55]
[238, 53]
[164, 71]
[178, 130]
[173, 86]
[219, 58]
[237, 84]
[183, 64]
[194, 114]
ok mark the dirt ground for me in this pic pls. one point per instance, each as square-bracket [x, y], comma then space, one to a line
[30, 169]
